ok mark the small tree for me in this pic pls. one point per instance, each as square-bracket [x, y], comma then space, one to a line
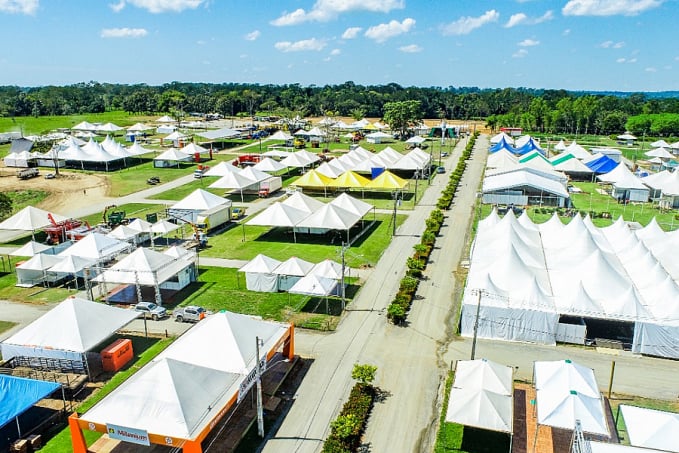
[396, 313]
[365, 374]
[345, 426]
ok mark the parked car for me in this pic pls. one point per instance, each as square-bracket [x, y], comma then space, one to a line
[151, 310]
[190, 313]
[237, 213]
[440, 170]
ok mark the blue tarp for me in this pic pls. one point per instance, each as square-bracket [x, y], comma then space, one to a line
[602, 165]
[502, 144]
[530, 145]
[18, 395]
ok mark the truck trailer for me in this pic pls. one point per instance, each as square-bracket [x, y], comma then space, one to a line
[213, 218]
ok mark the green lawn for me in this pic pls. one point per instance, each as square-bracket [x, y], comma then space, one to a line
[145, 350]
[591, 200]
[6, 325]
[43, 124]
[22, 198]
[278, 243]
[35, 295]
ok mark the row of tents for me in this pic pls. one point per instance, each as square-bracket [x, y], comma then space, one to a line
[526, 276]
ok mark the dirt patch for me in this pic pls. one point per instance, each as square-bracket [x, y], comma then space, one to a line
[68, 193]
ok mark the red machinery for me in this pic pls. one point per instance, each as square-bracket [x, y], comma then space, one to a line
[73, 229]
[247, 159]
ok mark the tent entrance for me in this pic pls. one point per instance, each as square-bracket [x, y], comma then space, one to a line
[602, 332]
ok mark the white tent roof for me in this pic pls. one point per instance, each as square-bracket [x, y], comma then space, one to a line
[97, 247]
[269, 165]
[29, 219]
[279, 215]
[162, 399]
[222, 169]
[261, 264]
[604, 447]
[280, 135]
[83, 324]
[200, 200]
[192, 149]
[661, 152]
[145, 266]
[276, 153]
[407, 162]
[560, 409]
[140, 226]
[164, 227]
[389, 155]
[30, 248]
[560, 146]
[109, 127]
[314, 285]
[651, 428]
[233, 181]
[330, 217]
[502, 159]
[497, 138]
[139, 127]
[71, 265]
[40, 262]
[578, 151]
[328, 170]
[565, 375]
[166, 119]
[123, 233]
[328, 269]
[303, 202]
[351, 204]
[572, 165]
[294, 266]
[660, 144]
[484, 374]
[254, 174]
[481, 409]
[84, 126]
[224, 132]
[173, 154]
[416, 139]
[523, 178]
[295, 161]
[176, 135]
[234, 333]
[137, 150]
[379, 134]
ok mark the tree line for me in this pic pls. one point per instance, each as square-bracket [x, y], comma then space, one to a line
[550, 111]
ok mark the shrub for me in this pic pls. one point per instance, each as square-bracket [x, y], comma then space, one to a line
[413, 263]
[396, 313]
[363, 374]
[409, 284]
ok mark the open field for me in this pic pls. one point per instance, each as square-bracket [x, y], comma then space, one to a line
[30, 125]
[35, 295]
[278, 243]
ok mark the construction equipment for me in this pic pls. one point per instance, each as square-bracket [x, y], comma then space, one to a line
[112, 218]
[299, 143]
[59, 232]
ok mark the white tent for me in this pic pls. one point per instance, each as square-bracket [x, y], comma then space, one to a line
[222, 169]
[660, 152]
[659, 144]
[295, 161]
[30, 219]
[328, 269]
[328, 170]
[480, 408]
[84, 126]
[139, 127]
[567, 392]
[125, 233]
[34, 271]
[97, 247]
[83, 325]
[164, 227]
[330, 217]
[199, 200]
[219, 134]
[256, 175]
[650, 428]
[578, 151]
[234, 181]
[377, 137]
[193, 149]
[484, 374]
[502, 159]
[303, 202]
[166, 119]
[497, 138]
[281, 135]
[416, 139]
[171, 155]
[290, 271]
[137, 150]
[269, 165]
[279, 215]
[560, 146]
[313, 285]
[31, 248]
[259, 275]
[109, 127]
[351, 204]
[71, 265]
[139, 225]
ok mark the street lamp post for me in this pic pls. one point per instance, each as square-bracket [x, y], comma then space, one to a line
[479, 292]
[260, 409]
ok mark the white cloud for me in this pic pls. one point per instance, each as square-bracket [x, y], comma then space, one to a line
[523, 19]
[117, 7]
[382, 32]
[351, 32]
[163, 6]
[520, 53]
[676, 58]
[528, 43]
[335, 52]
[608, 7]
[412, 48]
[651, 69]
[626, 60]
[326, 10]
[300, 46]
[253, 35]
[19, 6]
[465, 25]
[123, 32]
[612, 45]
[566, 32]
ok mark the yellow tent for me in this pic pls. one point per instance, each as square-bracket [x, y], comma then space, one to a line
[387, 180]
[349, 179]
[312, 179]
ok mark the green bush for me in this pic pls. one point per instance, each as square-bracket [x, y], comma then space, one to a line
[347, 429]
[396, 313]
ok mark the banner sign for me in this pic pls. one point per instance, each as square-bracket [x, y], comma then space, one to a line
[250, 380]
[133, 435]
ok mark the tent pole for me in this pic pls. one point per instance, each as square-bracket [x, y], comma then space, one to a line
[535, 440]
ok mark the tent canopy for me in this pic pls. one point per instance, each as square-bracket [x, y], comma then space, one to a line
[143, 266]
[314, 285]
[30, 248]
[260, 264]
[217, 134]
[18, 394]
[83, 324]
[200, 200]
[97, 247]
[481, 409]
[651, 428]
[30, 219]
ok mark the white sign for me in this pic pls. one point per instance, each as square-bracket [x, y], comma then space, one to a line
[250, 380]
[133, 435]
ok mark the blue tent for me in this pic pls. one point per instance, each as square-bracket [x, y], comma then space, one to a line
[531, 145]
[17, 395]
[502, 144]
[602, 165]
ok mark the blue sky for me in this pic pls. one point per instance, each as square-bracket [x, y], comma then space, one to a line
[625, 45]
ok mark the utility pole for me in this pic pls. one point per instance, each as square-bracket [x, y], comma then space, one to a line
[476, 322]
[396, 195]
[342, 280]
[260, 409]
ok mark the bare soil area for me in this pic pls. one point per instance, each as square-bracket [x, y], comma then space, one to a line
[67, 193]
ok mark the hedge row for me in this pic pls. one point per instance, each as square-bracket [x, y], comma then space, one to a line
[398, 310]
[347, 429]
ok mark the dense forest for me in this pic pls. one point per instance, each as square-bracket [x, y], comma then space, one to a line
[553, 111]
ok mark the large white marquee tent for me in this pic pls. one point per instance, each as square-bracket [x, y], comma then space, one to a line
[525, 276]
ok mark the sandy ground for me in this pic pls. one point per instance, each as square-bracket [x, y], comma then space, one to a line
[68, 193]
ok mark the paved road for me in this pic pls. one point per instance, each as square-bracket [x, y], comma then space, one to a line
[406, 358]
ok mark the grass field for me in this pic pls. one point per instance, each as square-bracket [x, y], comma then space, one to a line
[22, 198]
[6, 325]
[35, 295]
[145, 350]
[43, 124]
[278, 243]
